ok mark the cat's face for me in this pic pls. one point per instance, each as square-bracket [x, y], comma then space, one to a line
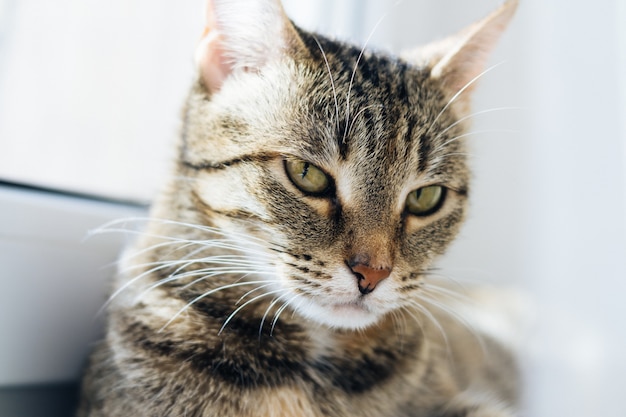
[346, 171]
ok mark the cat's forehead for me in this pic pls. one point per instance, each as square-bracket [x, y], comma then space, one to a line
[339, 107]
[368, 110]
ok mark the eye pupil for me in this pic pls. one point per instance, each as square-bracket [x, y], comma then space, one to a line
[305, 170]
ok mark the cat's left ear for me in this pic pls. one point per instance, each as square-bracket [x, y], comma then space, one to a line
[460, 59]
[242, 35]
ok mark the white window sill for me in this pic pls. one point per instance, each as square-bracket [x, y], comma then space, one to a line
[54, 281]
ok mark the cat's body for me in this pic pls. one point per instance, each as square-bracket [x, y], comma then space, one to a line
[285, 270]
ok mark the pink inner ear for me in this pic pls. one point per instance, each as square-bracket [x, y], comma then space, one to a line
[211, 60]
[241, 35]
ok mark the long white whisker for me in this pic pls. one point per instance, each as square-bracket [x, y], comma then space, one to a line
[280, 311]
[204, 274]
[476, 132]
[182, 263]
[332, 80]
[297, 307]
[354, 119]
[217, 243]
[127, 284]
[241, 307]
[267, 310]
[454, 295]
[451, 313]
[206, 294]
[431, 273]
[156, 246]
[174, 276]
[464, 154]
[478, 113]
[243, 272]
[458, 93]
[356, 65]
[256, 289]
[423, 310]
[399, 322]
[229, 260]
[108, 227]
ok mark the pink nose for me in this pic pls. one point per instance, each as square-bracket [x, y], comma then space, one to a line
[368, 277]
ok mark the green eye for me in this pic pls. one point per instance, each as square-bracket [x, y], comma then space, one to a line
[307, 177]
[426, 200]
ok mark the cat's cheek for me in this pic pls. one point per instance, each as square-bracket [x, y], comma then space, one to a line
[222, 193]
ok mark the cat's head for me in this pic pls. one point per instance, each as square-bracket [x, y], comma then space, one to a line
[345, 168]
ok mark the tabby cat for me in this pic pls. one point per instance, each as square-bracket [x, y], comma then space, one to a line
[284, 270]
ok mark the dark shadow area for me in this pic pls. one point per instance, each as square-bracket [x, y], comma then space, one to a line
[39, 401]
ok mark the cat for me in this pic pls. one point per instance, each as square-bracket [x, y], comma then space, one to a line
[284, 270]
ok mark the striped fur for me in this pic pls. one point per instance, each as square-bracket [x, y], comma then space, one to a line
[239, 298]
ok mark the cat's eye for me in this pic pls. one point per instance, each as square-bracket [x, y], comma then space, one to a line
[425, 200]
[307, 177]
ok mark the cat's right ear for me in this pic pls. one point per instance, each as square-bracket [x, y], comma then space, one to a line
[242, 35]
[458, 61]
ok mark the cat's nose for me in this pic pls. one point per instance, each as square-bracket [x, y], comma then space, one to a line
[367, 276]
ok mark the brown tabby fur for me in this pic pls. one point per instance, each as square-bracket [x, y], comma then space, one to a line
[232, 234]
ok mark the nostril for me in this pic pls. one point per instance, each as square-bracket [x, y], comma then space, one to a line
[368, 277]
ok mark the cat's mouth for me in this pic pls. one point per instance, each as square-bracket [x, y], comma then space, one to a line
[349, 308]
[347, 315]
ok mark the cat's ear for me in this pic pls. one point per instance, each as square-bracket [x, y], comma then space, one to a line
[242, 35]
[460, 59]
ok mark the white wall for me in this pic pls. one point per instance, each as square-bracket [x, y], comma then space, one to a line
[90, 91]
[575, 193]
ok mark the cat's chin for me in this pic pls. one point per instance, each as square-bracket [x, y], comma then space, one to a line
[353, 316]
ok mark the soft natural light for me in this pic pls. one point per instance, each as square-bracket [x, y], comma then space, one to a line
[90, 99]
[91, 92]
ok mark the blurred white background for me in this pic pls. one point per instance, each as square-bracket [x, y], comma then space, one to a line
[90, 94]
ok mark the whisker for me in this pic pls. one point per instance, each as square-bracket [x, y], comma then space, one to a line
[454, 295]
[204, 274]
[475, 132]
[459, 318]
[399, 322]
[332, 80]
[206, 294]
[458, 93]
[356, 65]
[213, 260]
[255, 290]
[208, 243]
[280, 311]
[464, 154]
[127, 284]
[156, 246]
[208, 273]
[432, 273]
[108, 227]
[267, 310]
[241, 307]
[231, 264]
[354, 119]
[478, 113]
[297, 307]
[182, 264]
[424, 311]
